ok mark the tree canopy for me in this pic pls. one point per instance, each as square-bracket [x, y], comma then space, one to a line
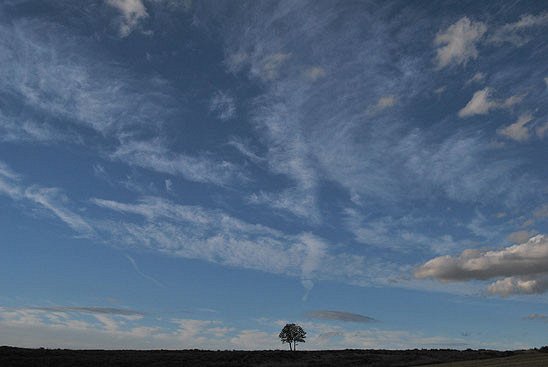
[292, 334]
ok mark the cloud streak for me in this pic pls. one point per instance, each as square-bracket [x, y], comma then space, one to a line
[338, 316]
[90, 310]
[49, 198]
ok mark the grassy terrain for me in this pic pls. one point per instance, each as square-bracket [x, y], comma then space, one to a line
[15, 357]
[525, 359]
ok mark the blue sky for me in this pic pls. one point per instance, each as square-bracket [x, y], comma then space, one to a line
[195, 174]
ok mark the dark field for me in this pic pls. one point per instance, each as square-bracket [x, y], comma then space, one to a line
[63, 357]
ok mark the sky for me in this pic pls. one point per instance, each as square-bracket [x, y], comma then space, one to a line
[196, 174]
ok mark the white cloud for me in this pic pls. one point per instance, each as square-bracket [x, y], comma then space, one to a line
[245, 150]
[518, 285]
[51, 199]
[92, 99]
[146, 276]
[223, 106]
[479, 104]
[518, 131]
[214, 236]
[514, 33]
[482, 102]
[299, 202]
[133, 11]
[457, 44]
[154, 155]
[524, 267]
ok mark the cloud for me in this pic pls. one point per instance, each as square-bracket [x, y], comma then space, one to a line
[519, 285]
[271, 64]
[105, 328]
[541, 130]
[527, 258]
[223, 106]
[319, 134]
[242, 147]
[537, 316]
[146, 276]
[457, 44]
[133, 12]
[515, 33]
[482, 102]
[297, 201]
[93, 103]
[524, 267]
[314, 73]
[541, 212]
[215, 236]
[154, 155]
[518, 131]
[50, 198]
[383, 103]
[476, 78]
[338, 316]
[90, 310]
[519, 236]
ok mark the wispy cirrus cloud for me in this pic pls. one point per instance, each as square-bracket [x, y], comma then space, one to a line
[516, 33]
[50, 198]
[156, 156]
[323, 132]
[52, 77]
[212, 235]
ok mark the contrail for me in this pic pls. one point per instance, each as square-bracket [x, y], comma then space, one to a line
[136, 267]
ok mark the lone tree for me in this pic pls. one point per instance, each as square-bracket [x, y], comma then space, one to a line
[291, 334]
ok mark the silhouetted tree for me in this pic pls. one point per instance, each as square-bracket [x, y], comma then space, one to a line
[291, 334]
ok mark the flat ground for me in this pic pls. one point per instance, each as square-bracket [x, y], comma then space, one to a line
[525, 359]
[11, 357]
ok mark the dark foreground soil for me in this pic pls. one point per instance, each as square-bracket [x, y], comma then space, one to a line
[10, 357]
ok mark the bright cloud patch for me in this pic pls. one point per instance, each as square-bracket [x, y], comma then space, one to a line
[482, 102]
[457, 44]
[524, 267]
[133, 11]
[519, 130]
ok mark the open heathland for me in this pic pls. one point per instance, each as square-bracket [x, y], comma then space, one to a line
[10, 356]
